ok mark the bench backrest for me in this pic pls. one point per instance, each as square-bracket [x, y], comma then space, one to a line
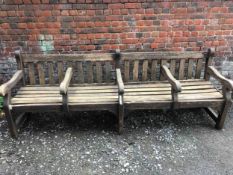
[50, 69]
[145, 66]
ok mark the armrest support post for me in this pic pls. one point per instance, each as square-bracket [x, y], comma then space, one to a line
[66, 81]
[64, 88]
[119, 81]
[176, 86]
[120, 100]
[6, 87]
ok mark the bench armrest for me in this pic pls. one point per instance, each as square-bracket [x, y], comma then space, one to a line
[119, 81]
[176, 86]
[6, 87]
[224, 81]
[66, 81]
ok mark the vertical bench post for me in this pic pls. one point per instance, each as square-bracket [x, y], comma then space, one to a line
[119, 81]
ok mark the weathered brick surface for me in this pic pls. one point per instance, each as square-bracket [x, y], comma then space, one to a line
[65, 26]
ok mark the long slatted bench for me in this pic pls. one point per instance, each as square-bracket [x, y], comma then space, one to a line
[156, 80]
[45, 80]
[173, 80]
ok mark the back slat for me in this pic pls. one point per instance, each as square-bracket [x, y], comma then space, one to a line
[181, 69]
[144, 70]
[97, 68]
[163, 62]
[126, 71]
[199, 68]
[41, 74]
[135, 70]
[80, 77]
[190, 69]
[98, 72]
[108, 71]
[89, 72]
[153, 69]
[31, 68]
[60, 71]
[51, 73]
[173, 67]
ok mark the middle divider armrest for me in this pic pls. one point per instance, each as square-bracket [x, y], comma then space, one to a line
[66, 81]
[119, 82]
[176, 85]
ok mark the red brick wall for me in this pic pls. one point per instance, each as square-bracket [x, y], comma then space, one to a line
[103, 25]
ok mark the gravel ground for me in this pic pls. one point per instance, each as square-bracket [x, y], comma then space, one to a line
[154, 142]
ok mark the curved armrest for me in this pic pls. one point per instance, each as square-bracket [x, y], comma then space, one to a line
[66, 81]
[176, 86]
[119, 81]
[224, 81]
[6, 87]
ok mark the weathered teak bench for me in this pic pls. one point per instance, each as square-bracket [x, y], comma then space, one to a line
[92, 78]
[173, 80]
[153, 80]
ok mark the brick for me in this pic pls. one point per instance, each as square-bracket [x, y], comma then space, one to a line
[45, 13]
[132, 5]
[3, 13]
[36, 1]
[4, 26]
[154, 45]
[45, 1]
[116, 6]
[27, 1]
[65, 13]
[22, 25]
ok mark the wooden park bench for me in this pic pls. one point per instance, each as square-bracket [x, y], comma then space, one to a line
[44, 87]
[174, 80]
[152, 80]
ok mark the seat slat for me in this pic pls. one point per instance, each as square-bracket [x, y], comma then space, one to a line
[141, 89]
[36, 101]
[181, 97]
[162, 84]
[167, 91]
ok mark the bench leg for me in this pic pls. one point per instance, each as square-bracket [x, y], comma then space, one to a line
[9, 117]
[120, 119]
[222, 116]
[11, 123]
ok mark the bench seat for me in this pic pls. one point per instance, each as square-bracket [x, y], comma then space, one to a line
[80, 97]
[93, 97]
[34, 98]
[156, 95]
